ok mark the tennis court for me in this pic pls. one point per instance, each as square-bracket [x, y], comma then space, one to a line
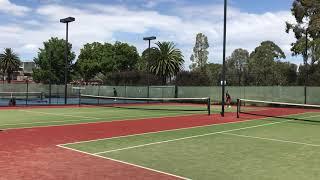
[153, 138]
[103, 109]
[270, 148]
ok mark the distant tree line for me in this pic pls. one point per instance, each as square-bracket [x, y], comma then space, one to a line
[265, 66]
[112, 64]
[121, 64]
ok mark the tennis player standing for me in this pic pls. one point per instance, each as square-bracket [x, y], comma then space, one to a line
[228, 99]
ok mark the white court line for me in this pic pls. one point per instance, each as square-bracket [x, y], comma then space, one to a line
[311, 116]
[155, 132]
[123, 162]
[189, 137]
[105, 120]
[271, 139]
[196, 136]
[92, 118]
[57, 114]
[128, 111]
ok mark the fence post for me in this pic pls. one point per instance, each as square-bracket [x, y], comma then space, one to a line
[238, 108]
[305, 94]
[50, 92]
[209, 106]
[79, 96]
[99, 94]
[176, 91]
[27, 95]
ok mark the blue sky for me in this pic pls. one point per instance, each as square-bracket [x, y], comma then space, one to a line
[25, 24]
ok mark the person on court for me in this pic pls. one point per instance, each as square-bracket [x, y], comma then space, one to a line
[115, 94]
[228, 100]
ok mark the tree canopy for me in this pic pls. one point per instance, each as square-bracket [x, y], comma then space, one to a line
[106, 58]
[199, 58]
[50, 62]
[9, 62]
[237, 65]
[262, 63]
[306, 30]
[168, 61]
[307, 15]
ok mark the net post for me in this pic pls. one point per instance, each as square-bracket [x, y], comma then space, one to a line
[209, 106]
[238, 108]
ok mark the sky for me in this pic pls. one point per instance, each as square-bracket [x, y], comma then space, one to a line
[26, 24]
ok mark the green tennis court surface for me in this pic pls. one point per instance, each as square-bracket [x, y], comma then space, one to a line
[266, 149]
[34, 117]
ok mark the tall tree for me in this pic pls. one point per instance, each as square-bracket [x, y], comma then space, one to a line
[168, 61]
[125, 57]
[236, 65]
[106, 58]
[199, 58]
[306, 30]
[9, 62]
[90, 60]
[261, 64]
[307, 15]
[50, 62]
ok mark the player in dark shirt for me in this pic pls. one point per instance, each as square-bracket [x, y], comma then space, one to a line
[115, 94]
[228, 99]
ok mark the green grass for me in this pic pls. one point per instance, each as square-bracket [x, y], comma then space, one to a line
[266, 149]
[21, 118]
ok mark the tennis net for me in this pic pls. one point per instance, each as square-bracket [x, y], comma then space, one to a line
[305, 112]
[166, 104]
[21, 95]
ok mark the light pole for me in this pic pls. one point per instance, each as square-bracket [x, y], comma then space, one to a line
[149, 39]
[223, 77]
[306, 68]
[50, 70]
[66, 21]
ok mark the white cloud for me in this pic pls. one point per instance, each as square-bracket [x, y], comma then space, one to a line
[154, 3]
[244, 30]
[32, 22]
[30, 47]
[7, 7]
[96, 22]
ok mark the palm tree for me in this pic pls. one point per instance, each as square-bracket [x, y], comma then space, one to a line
[167, 61]
[9, 62]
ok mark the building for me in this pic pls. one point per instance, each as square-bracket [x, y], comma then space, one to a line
[24, 72]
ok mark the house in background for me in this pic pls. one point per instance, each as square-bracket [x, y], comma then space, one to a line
[24, 73]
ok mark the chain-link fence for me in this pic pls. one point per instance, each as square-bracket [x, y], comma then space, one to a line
[43, 94]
